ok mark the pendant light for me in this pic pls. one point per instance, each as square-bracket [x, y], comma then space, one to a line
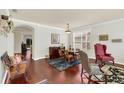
[67, 29]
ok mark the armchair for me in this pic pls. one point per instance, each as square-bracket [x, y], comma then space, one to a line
[15, 66]
[90, 70]
[101, 54]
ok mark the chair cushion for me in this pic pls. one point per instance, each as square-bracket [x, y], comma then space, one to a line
[100, 77]
[100, 50]
[107, 58]
[95, 70]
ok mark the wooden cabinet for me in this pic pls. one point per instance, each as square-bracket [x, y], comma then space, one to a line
[54, 52]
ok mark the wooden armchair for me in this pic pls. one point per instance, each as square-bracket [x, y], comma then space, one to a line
[14, 67]
[91, 71]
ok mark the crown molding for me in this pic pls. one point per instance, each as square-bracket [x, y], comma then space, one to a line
[108, 22]
[96, 24]
[37, 24]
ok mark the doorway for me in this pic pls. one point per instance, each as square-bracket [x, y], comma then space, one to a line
[23, 41]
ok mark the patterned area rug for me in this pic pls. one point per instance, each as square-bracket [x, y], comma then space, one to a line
[61, 64]
[117, 75]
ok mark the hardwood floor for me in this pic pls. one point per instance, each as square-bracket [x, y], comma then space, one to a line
[40, 70]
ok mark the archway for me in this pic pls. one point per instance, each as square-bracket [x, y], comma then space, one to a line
[23, 39]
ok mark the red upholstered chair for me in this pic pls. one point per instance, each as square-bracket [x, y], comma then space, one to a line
[101, 55]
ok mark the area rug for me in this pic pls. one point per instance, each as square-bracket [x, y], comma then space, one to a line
[117, 76]
[61, 64]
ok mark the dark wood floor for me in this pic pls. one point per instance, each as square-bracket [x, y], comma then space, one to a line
[40, 70]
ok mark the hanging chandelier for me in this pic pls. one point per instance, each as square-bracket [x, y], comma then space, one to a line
[67, 29]
[6, 25]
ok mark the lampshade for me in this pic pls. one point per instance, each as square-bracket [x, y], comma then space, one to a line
[67, 29]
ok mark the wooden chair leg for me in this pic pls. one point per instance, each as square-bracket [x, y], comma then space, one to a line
[106, 80]
[102, 63]
[82, 75]
[113, 62]
[96, 61]
[89, 80]
[82, 81]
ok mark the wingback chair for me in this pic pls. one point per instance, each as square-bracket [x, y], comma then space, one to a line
[101, 54]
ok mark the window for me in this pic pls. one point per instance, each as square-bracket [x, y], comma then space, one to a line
[81, 40]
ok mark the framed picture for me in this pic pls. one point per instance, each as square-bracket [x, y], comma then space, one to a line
[55, 38]
[116, 40]
[103, 37]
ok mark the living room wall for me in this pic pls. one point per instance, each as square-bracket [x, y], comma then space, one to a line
[43, 40]
[3, 48]
[6, 44]
[41, 37]
[115, 30]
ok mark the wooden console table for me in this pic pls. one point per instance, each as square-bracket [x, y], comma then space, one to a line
[54, 52]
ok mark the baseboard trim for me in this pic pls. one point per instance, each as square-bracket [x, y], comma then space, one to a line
[35, 59]
[116, 63]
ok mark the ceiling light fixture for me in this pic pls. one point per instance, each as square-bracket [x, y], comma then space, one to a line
[67, 29]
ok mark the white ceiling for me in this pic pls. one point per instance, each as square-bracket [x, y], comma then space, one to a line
[59, 18]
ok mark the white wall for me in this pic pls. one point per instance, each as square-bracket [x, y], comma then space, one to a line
[3, 48]
[41, 37]
[115, 30]
[43, 40]
[17, 42]
[10, 44]
[6, 44]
